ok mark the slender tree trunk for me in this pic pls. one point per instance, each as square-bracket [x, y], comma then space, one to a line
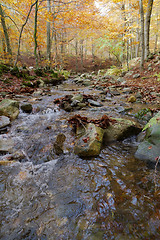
[127, 55]
[93, 53]
[147, 26]
[20, 35]
[35, 34]
[156, 38]
[9, 51]
[142, 34]
[48, 33]
[81, 50]
[137, 38]
[3, 47]
[86, 50]
[76, 51]
[123, 35]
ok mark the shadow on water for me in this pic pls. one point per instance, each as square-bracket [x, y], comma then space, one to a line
[45, 196]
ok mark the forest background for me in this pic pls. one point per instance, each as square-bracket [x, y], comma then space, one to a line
[66, 33]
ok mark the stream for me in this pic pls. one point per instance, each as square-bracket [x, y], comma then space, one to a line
[50, 197]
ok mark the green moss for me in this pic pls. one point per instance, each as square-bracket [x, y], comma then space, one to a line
[114, 71]
[27, 83]
[39, 72]
[141, 114]
[54, 75]
[4, 68]
[15, 72]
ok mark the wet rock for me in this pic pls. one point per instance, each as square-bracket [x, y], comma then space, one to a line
[38, 92]
[132, 99]
[120, 130]
[138, 95]
[6, 145]
[41, 83]
[3, 94]
[94, 103]
[90, 143]
[27, 108]
[82, 105]
[137, 75]
[67, 107]
[6, 162]
[129, 74]
[4, 121]
[121, 80]
[149, 148]
[75, 103]
[87, 82]
[126, 90]
[58, 145]
[78, 97]
[9, 108]
[114, 92]
[144, 114]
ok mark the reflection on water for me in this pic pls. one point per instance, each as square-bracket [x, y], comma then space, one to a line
[111, 196]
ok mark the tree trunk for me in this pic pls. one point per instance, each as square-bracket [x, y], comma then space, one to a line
[156, 37]
[81, 51]
[20, 35]
[147, 26]
[142, 34]
[9, 51]
[48, 33]
[76, 51]
[35, 34]
[137, 39]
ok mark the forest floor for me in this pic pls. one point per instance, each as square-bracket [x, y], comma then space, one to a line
[148, 82]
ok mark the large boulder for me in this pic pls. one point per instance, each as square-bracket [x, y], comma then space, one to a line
[90, 143]
[9, 108]
[149, 148]
[120, 129]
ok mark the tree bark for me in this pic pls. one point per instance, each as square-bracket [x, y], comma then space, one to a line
[142, 34]
[48, 33]
[20, 35]
[35, 34]
[147, 26]
[9, 51]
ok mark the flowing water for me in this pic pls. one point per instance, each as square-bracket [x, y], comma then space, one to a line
[45, 196]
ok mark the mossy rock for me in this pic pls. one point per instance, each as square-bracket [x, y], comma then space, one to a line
[144, 114]
[9, 108]
[149, 149]
[39, 72]
[54, 74]
[15, 72]
[90, 144]
[27, 83]
[4, 68]
[121, 129]
[114, 71]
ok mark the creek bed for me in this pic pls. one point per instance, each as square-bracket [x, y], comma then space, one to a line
[45, 196]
